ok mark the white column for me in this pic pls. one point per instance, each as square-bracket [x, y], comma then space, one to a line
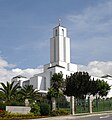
[90, 103]
[72, 105]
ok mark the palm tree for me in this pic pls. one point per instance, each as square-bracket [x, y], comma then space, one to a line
[56, 88]
[57, 81]
[29, 93]
[9, 92]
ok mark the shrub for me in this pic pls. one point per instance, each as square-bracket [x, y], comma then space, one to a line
[16, 103]
[54, 113]
[18, 115]
[2, 106]
[44, 109]
[35, 109]
[58, 112]
[2, 113]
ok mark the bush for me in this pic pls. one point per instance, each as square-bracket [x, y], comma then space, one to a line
[54, 113]
[2, 113]
[18, 115]
[35, 109]
[2, 106]
[58, 112]
[44, 109]
[16, 103]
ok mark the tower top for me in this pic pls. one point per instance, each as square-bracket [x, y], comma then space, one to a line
[59, 46]
[59, 20]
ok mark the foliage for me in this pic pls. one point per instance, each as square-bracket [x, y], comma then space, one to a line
[52, 93]
[35, 109]
[57, 80]
[2, 113]
[44, 109]
[56, 87]
[2, 106]
[9, 92]
[59, 112]
[27, 92]
[99, 87]
[77, 84]
[63, 103]
[18, 115]
[17, 103]
[102, 88]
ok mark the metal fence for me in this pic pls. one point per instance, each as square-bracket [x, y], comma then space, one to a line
[101, 105]
[82, 106]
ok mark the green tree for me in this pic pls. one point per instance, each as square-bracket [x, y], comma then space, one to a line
[9, 92]
[56, 88]
[27, 92]
[57, 81]
[78, 85]
[101, 87]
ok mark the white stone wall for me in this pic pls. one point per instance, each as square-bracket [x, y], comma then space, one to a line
[34, 81]
[18, 109]
[19, 80]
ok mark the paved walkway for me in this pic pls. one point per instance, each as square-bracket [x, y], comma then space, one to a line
[73, 117]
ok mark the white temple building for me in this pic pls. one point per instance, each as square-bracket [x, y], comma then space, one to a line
[59, 62]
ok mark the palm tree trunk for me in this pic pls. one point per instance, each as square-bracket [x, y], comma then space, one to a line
[58, 103]
[53, 103]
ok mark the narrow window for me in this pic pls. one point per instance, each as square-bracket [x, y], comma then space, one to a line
[62, 32]
[56, 33]
[50, 78]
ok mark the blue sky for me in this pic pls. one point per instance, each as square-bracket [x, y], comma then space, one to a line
[26, 28]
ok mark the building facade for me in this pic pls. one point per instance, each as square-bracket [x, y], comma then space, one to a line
[59, 62]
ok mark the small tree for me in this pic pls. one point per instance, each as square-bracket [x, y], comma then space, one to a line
[27, 92]
[55, 90]
[9, 92]
[100, 87]
[77, 85]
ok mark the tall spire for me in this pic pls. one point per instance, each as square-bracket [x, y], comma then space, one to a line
[60, 45]
[59, 20]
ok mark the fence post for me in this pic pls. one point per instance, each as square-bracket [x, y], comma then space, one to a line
[72, 105]
[90, 103]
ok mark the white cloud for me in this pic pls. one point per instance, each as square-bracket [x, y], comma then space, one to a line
[8, 74]
[97, 68]
[29, 72]
[3, 63]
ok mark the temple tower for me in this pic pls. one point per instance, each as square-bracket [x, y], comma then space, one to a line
[59, 45]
